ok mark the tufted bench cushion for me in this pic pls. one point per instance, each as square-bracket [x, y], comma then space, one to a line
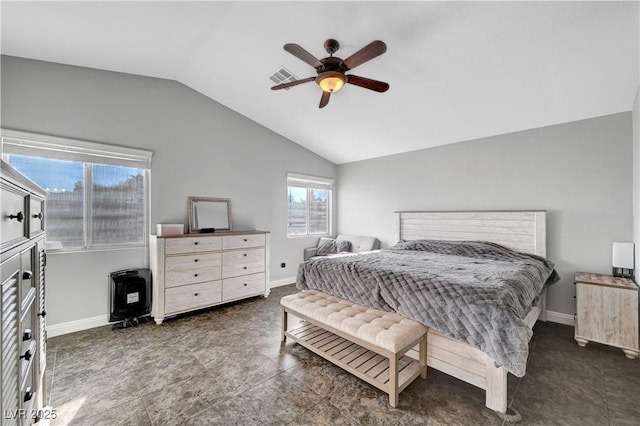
[382, 329]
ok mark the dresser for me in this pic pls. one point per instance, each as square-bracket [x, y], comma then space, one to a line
[196, 271]
[22, 304]
[607, 312]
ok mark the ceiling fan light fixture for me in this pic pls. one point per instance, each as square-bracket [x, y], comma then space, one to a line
[331, 81]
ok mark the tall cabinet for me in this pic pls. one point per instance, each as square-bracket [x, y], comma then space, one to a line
[22, 299]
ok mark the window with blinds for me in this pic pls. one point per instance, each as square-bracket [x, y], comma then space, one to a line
[97, 194]
[308, 205]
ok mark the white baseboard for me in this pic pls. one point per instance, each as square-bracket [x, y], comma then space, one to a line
[560, 318]
[78, 325]
[284, 281]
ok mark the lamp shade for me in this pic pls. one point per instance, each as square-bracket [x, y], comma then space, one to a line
[622, 255]
[331, 81]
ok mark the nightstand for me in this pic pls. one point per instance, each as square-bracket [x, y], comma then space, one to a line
[607, 312]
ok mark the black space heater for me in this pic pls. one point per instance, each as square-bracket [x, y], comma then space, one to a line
[129, 297]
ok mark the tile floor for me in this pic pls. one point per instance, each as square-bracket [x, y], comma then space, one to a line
[226, 366]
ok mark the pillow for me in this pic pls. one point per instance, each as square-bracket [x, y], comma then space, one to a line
[327, 246]
[343, 246]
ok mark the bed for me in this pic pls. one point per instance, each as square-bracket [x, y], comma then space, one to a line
[394, 280]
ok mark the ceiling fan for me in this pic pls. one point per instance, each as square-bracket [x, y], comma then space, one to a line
[331, 70]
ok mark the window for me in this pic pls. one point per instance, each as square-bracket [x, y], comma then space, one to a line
[308, 205]
[97, 194]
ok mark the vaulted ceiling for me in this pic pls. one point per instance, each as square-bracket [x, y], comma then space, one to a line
[457, 70]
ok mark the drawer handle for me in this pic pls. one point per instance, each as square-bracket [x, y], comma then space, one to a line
[195, 294]
[245, 240]
[195, 260]
[244, 267]
[38, 216]
[244, 254]
[196, 243]
[26, 334]
[27, 275]
[28, 394]
[245, 284]
[27, 355]
[42, 314]
[195, 275]
[19, 217]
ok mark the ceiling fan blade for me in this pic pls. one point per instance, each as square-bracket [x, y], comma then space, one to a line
[324, 100]
[302, 54]
[367, 83]
[292, 83]
[370, 51]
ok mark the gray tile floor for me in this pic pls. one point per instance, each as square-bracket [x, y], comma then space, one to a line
[226, 366]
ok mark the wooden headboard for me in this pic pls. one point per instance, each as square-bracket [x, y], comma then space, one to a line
[520, 230]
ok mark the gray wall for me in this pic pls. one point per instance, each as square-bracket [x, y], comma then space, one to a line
[200, 148]
[580, 172]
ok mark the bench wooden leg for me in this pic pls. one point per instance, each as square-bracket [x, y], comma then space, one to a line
[283, 335]
[423, 356]
[393, 381]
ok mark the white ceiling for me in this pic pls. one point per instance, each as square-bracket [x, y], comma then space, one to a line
[457, 70]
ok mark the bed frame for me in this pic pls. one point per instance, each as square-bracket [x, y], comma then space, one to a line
[524, 231]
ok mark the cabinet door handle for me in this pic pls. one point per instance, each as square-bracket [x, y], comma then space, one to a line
[27, 275]
[27, 355]
[38, 216]
[26, 334]
[42, 314]
[28, 394]
[19, 217]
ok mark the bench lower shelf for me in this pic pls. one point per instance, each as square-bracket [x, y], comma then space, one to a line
[357, 360]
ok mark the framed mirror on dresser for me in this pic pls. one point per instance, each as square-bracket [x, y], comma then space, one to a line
[208, 214]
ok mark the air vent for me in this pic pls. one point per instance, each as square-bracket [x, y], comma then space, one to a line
[283, 75]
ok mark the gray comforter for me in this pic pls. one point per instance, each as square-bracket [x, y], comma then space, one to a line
[473, 291]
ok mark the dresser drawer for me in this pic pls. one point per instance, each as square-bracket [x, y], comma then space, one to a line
[234, 288]
[230, 242]
[13, 202]
[194, 268]
[242, 262]
[36, 215]
[192, 245]
[187, 297]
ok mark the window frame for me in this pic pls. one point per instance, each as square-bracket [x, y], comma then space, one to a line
[309, 182]
[90, 154]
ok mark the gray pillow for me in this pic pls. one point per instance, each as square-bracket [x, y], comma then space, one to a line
[343, 245]
[327, 246]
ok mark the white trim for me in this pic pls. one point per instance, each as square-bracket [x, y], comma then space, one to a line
[281, 282]
[561, 318]
[77, 325]
[26, 143]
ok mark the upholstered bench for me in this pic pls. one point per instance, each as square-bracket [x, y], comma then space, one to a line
[368, 343]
